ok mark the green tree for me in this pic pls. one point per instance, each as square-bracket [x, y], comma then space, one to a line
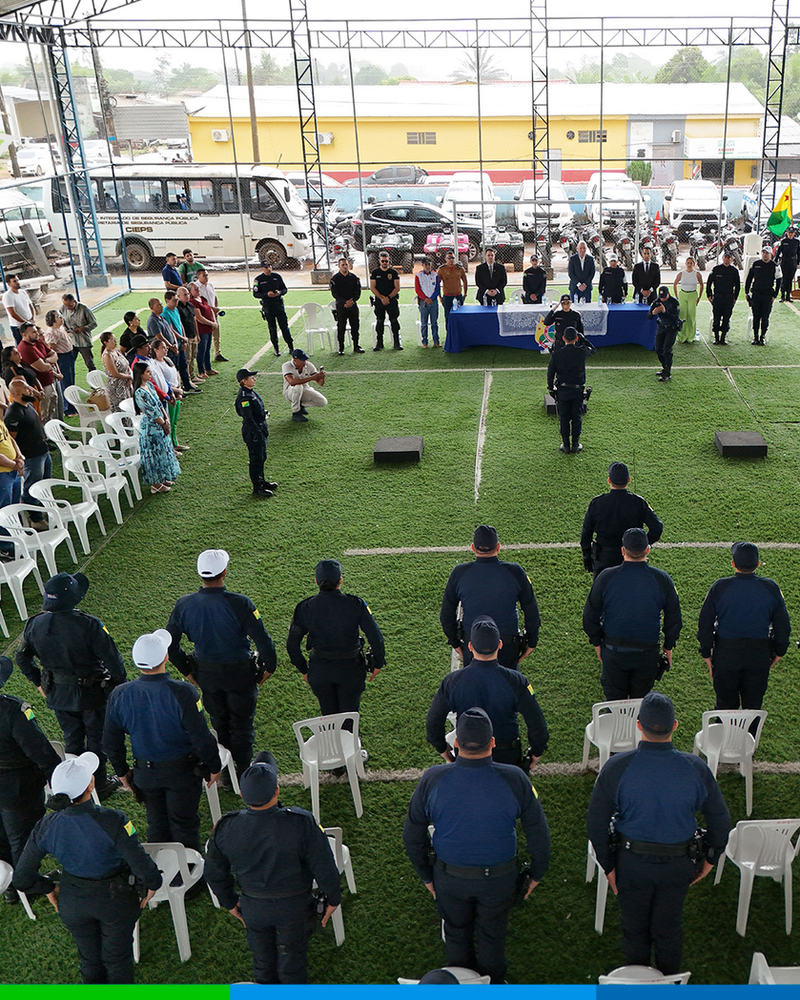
[688, 65]
[369, 75]
[471, 64]
[640, 170]
[268, 71]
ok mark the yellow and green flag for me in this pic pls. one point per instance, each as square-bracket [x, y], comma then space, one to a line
[781, 216]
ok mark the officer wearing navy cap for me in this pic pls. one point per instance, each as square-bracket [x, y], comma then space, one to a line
[269, 288]
[474, 805]
[221, 624]
[250, 407]
[79, 665]
[652, 795]
[609, 515]
[101, 859]
[500, 692]
[26, 761]
[336, 667]
[274, 853]
[566, 381]
[170, 740]
[743, 631]
[562, 319]
[488, 586]
[622, 619]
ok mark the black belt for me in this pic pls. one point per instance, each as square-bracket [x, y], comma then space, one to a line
[663, 850]
[570, 385]
[246, 664]
[336, 654]
[494, 871]
[614, 642]
[286, 894]
[121, 874]
[155, 765]
[720, 643]
[507, 744]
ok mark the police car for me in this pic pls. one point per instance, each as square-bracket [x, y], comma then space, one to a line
[750, 202]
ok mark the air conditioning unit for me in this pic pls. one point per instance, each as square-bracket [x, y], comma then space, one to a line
[676, 136]
[220, 135]
[324, 138]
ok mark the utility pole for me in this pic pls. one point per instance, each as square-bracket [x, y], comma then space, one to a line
[12, 149]
[249, 69]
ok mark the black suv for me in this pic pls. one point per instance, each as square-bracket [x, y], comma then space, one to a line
[417, 218]
[400, 174]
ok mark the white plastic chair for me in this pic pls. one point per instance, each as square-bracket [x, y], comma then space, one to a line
[14, 573]
[314, 322]
[128, 406]
[592, 866]
[612, 729]
[78, 513]
[752, 244]
[172, 860]
[96, 484]
[124, 452]
[46, 541]
[212, 791]
[341, 855]
[97, 379]
[642, 975]
[125, 426]
[329, 747]
[88, 414]
[465, 977]
[761, 847]
[763, 974]
[347, 334]
[6, 875]
[729, 741]
[68, 439]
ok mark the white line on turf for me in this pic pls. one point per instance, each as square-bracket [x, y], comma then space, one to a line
[487, 386]
[413, 550]
[262, 351]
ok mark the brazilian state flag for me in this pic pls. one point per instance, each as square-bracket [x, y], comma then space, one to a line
[781, 216]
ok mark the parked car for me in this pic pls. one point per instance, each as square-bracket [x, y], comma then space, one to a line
[417, 218]
[298, 179]
[34, 161]
[475, 199]
[534, 216]
[750, 202]
[620, 197]
[400, 174]
[689, 204]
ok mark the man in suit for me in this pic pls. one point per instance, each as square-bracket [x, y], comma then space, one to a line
[581, 274]
[646, 278]
[490, 279]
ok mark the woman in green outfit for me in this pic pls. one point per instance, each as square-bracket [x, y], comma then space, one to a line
[688, 287]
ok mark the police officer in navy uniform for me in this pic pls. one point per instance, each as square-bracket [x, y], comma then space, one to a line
[562, 319]
[566, 380]
[474, 805]
[787, 257]
[743, 631]
[666, 312]
[652, 795]
[761, 288]
[609, 516]
[622, 618]
[489, 586]
[500, 692]
[79, 665]
[26, 762]
[384, 283]
[269, 288]
[722, 290]
[250, 407]
[102, 862]
[173, 749]
[336, 668]
[221, 624]
[274, 852]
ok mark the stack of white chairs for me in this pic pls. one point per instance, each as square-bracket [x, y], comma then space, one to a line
[173, 860]
[46, 541]
[78, 512]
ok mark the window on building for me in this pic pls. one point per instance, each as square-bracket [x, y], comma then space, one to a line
[592, 135]
[421, 138]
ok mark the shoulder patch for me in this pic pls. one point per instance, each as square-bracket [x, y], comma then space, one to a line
[129, 828]
[533, 789]
[245, 402]
[530, 689]
[256, 613]
[199, 704]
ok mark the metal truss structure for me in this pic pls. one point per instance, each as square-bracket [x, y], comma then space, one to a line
[540, 104]
[773, 105]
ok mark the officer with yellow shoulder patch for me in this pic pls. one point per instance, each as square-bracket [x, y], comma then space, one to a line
[103, 863]
[250, 407]
[221, 624]
[173, 749]
[26, 761]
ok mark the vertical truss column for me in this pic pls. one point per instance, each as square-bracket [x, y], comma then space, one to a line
[540, 108]
[75, 160]
[773, 106]
[312, 167]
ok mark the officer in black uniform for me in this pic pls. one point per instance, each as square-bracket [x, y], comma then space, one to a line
[172, 747]
[336, 667]
[26, 762]
[563, 319]
[489, 586]
[79, 665]
[622, 618]
[274, 852]
[221, 624]
[346, 290]
[534, 283]
[384, 283]
[500, 692]
[761, 288]
[250, 407]
[269, 287]
[652, 795]
[722, 290]
[609, 516]
[666, 310]
[566, 380]
[474, 805]
[612, 286]
[787, 256]
[102, 863]
[743, 631]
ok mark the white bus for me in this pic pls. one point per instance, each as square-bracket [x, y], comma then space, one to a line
[168, 206]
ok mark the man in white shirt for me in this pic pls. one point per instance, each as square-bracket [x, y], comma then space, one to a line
[208, 292]
[18, 305]
[298, 373]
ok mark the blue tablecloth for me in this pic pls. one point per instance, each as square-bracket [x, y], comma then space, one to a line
[477, 326]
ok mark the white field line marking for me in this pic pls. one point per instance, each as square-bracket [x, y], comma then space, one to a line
[262, 351]
[548, 546]
[793, 307]
[487, 386]
[97, 336]
[540, 371]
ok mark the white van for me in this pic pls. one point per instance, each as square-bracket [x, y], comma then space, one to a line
[620, 197]
[173, 206]
[16, 209]
[475, 197]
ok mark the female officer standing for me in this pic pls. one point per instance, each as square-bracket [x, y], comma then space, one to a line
[101, 857]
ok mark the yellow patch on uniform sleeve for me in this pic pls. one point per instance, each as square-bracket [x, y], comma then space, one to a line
[530, 689]
[528, 579]
[367, 607]
[28, 713]
[129, 828]
[199, 704]
[105, 630]
[321, 827]
[245, 403]
[256, 613]
[533, 789]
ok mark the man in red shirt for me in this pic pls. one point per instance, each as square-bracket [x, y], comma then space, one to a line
[35, 353]
[206, 323]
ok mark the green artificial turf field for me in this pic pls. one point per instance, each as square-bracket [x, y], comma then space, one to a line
[333, 499]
